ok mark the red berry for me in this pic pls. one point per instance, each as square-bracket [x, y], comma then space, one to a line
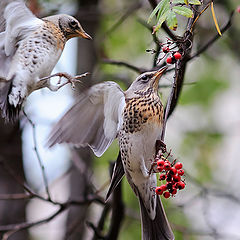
[169, 178]
[181, 185]
[160, 169]
[165, 49]
[173, 171]
[175, 185]
[174, 191]
[169, 185]
[169, 60]
[158, 191]
[178, 165]
[238, 9]
[180, 172]
[160, 163]
[177, 55]
[162, 176]
[176, 178]
[163, 187]
[167, 166]
[166, 194]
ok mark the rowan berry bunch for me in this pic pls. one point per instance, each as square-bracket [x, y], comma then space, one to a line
[171, 174]
[169, 51]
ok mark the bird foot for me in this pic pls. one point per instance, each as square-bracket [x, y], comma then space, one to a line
[160, 145]
[70, 79]
[45, 82]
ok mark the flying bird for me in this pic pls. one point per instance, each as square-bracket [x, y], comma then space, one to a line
[30, 48]
[135, 117]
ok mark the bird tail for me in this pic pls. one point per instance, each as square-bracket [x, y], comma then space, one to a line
[9, 112]
[157, 229]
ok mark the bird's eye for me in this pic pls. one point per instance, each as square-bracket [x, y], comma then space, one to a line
[73, 24]
[144, 77]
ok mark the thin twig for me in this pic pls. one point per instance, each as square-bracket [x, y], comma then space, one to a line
[15, 196]
[118, 210]
[125, 64]
[135, 6]
[13, 228]
[19, 181]
[96, 232]
[101, 221]
[155, 39]
[213, 40]
[38, 155]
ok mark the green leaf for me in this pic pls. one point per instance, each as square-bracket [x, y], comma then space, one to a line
[160, 7]
[165, 8]
[172, 20]
[178, 1]
[162, 18]
[186, 12]
[194, 2]
[186, 2]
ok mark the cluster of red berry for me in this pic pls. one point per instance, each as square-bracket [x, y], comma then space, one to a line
[174, 56]
[168, 48]
[172, 173]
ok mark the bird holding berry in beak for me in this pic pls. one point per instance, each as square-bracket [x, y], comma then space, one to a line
[135, 117]
[29, 50]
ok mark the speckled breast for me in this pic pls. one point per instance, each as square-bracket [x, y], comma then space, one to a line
[140, 111]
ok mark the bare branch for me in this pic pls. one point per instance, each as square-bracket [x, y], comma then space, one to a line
[15, 196]
[96, 231]
[135, 6]
[125, 64]
[13, 228]
[38, 155]
[214, 39]
[155, 39]
[118, 210]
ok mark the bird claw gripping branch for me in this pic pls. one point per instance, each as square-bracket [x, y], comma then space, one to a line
[70, 79]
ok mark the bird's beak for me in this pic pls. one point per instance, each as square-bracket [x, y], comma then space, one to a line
[157, 75]
[83, 34]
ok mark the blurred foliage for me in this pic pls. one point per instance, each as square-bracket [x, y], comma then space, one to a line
[208, 84]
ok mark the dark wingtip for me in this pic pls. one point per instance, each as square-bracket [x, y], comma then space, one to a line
[117, 175]
[10, 113]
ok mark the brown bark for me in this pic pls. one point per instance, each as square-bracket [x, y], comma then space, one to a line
[11, 154]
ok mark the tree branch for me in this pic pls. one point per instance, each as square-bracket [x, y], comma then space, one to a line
[125, 64]
[214, 39]
[38, 155]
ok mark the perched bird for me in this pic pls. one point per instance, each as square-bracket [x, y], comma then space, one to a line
[135, 117]
[29, 50]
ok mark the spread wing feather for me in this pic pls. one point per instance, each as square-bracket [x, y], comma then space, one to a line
[94, 120]
[20, 21]
[16, 22]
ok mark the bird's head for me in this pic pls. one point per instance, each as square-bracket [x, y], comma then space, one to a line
[146, 82]
[69, 25]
